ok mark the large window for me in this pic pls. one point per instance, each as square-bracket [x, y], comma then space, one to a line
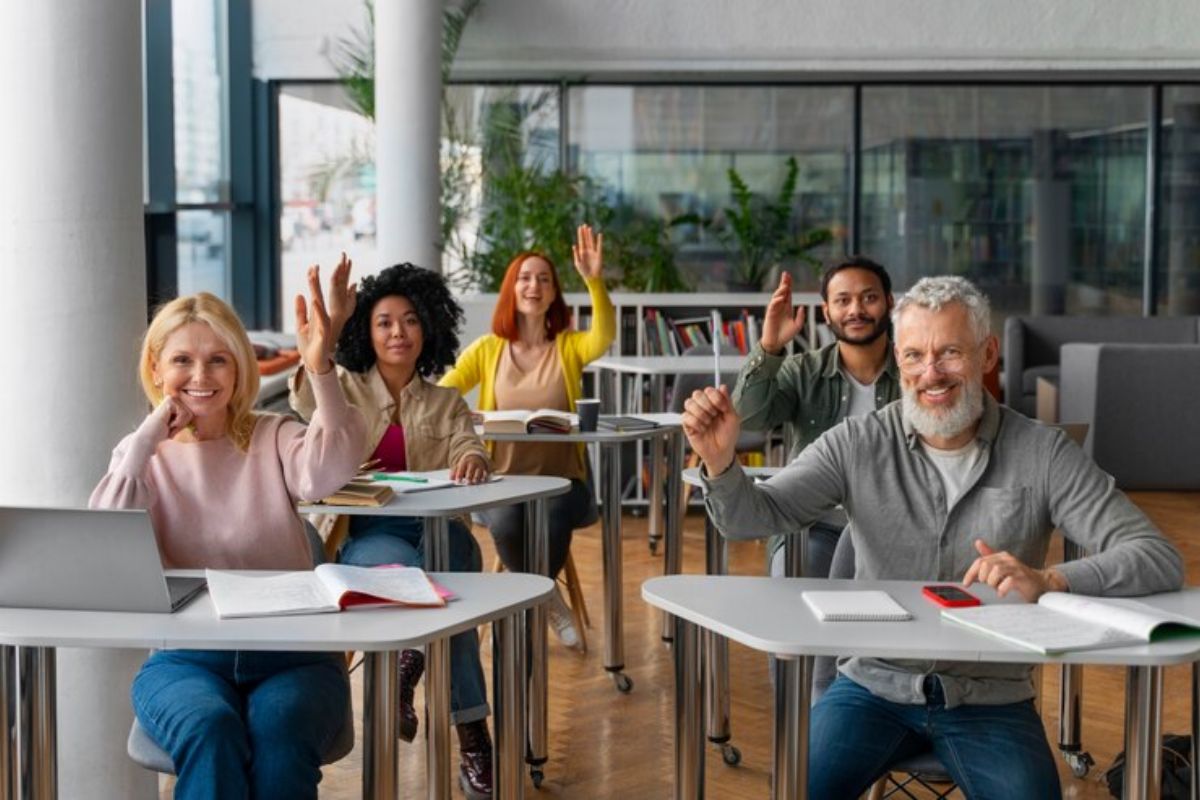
[1035, 193]
[667, 152]
[1178, 275]
[201, 144]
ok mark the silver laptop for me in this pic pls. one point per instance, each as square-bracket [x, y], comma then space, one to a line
[87, 560]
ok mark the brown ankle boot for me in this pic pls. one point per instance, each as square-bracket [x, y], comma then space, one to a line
[475, 771]
[412, 666]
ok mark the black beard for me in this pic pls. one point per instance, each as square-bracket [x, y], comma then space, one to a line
[881, 327]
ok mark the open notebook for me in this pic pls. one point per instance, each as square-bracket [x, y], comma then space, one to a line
[856, 606]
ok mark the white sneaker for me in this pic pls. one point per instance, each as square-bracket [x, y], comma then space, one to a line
[561, 622]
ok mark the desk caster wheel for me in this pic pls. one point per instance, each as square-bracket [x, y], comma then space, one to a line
[537, 776]
[731, 755]
[1079, 762]
[623, 682]
[653, 547]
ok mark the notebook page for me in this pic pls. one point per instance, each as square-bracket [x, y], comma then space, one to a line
[236, 595]
[406, 585]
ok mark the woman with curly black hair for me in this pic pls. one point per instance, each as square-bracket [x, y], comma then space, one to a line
[395, 332]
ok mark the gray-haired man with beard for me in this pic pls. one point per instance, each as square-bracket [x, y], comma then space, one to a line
[944, 485]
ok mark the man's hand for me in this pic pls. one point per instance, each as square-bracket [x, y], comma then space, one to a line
[712, 427]
[1004, 572]
[780, 325]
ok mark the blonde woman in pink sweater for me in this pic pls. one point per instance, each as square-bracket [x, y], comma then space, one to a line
[221, 484]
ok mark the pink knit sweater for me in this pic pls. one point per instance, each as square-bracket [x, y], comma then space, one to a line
[214, 506]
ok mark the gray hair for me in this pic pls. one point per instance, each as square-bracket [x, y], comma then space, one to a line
[937, 292]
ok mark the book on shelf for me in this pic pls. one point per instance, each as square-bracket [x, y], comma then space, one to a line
[543, 420]
[1060, 622]
[664, 335]
[328, 588]
[361, 491]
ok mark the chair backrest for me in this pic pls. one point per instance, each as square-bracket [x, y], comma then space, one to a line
[684, 385]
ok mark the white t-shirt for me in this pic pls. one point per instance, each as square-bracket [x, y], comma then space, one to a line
[862, 396]
[954, 466]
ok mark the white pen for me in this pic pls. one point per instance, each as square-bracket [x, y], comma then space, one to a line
[716, 342]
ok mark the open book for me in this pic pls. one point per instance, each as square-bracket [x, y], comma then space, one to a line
[544, 420]
[1060, 622]
[328, 588]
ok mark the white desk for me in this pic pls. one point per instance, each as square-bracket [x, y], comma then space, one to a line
[437, 507]
[768, 614]
[381, 633]
[610, 442]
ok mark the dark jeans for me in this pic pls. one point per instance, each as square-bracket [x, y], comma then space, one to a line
[401, 540]
[243, 723]
[565, 513]
[989, 751]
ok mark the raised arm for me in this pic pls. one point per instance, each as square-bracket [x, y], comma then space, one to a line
[765, 394]
[467, 371]
[588, 255]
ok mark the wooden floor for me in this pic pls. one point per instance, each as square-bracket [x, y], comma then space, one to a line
[608, 745]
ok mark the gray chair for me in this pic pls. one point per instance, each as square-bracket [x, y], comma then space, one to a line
[1139, 401]
[146, 753]
[1032, 344]
[923, 769]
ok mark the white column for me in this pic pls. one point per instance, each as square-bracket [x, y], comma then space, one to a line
[72, 306]
[408, 47]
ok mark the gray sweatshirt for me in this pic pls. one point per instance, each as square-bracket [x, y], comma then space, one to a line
[1030, 480]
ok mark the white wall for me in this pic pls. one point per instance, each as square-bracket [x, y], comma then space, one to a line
[780, 38]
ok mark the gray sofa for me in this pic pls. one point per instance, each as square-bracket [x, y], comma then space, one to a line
[1031, 345]
[1140, 403]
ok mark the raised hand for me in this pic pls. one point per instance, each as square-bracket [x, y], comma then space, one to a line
[470, 468]
[1004, 572]
[712, 427]
[342, 296]
[780, 324]
[314, 330]
[588, 252]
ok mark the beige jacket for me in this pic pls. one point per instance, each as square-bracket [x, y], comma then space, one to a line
[438, 430]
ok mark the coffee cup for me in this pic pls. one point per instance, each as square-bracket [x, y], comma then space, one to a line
[589, 414]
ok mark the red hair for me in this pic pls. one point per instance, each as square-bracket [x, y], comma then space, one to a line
[504, 319]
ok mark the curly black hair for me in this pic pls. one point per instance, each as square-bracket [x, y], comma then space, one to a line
[440, 316]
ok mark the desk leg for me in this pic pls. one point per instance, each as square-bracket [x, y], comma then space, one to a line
[8, 698]
[689, 711]
[437, 673]
[614, 623]
[1143, 732]
[716, 654]
[508, 682]
[35, 767]
[674, 511]
[789, 744]
[537, 561]
[380, 682]
[657, 403]
[1195, 789]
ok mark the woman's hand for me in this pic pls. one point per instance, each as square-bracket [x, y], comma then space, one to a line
[470, 468]
[314, 330]
[168, 419]
[588, 252]
[342, 297]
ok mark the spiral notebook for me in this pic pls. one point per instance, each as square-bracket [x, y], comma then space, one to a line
[857, 606]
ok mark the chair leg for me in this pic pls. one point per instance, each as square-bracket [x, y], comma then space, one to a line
[877, 789]
[575, 591]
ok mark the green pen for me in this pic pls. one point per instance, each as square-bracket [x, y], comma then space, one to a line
[387, 476]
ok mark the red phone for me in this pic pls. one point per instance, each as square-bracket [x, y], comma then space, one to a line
[949, 595]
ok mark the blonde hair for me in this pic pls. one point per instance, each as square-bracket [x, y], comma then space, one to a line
[216, 314]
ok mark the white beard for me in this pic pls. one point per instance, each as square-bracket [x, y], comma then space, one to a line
[947, 423]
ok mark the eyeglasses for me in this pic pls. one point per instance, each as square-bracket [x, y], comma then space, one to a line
[950, 361]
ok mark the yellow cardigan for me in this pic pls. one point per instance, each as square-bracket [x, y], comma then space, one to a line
[576, 349]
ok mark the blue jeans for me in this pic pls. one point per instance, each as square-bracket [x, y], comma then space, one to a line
[989, 751]
[401, 540]
[243, 724]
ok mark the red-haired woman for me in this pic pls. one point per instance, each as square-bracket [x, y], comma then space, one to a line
[531, 360]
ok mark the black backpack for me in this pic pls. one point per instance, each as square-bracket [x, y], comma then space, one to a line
[1176, 769]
